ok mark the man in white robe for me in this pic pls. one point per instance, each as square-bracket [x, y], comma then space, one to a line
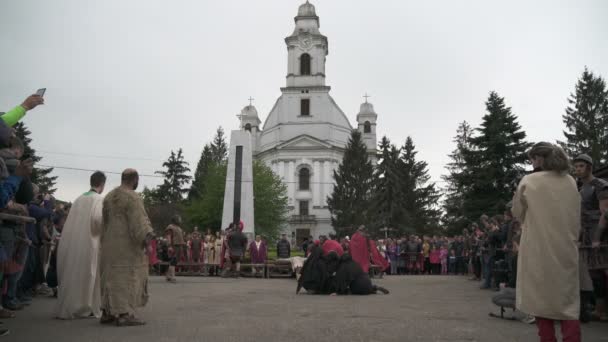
[78, 254]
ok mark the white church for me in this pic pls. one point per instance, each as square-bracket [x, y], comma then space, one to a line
[304, 135]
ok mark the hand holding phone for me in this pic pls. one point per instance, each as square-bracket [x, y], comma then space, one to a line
[34, 100]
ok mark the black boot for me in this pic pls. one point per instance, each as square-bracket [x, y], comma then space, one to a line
[587, 306]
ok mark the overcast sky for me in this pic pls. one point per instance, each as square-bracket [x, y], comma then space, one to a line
[136, 79]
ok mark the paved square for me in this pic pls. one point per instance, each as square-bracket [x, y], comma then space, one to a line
[419, 308]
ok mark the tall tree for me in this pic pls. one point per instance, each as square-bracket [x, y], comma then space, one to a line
[270, 201]
[176, 179]
[458, 181]
[586, 119]
[420, 196]
[206, 211]
[40, 176]
[497, 159]
[198, 184]
[387, 200]
[350, 201]
[219, 146]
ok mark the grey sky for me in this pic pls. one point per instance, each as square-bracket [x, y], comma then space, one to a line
[138, 78]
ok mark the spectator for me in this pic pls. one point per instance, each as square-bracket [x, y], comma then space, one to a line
[443, 255]
[283, 248]
[12, 117]
[435, 260]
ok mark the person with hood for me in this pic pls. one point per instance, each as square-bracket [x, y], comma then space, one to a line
[364, 251]
[547, 204]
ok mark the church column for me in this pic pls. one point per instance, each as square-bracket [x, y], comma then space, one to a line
[316, 180]
[291, 186]
[327, 181]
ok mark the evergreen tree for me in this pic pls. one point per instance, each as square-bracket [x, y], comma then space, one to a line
[176, 178]
[207, 210]
[219, 146]
[586, 119]
[198, 184]
[350, 201]
[420, 196]
[40, 176]
[497, 160]
[387, 200]
[458, 181]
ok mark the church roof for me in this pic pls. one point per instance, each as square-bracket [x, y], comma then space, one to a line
[307, 10]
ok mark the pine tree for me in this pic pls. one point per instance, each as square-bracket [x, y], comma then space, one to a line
[350, 201]
[497, 160]
[586, 119]
[40, 176]
[458, 181]
[176, 178]
[198, 184]
[387, 200]
[420, 196]
[219, 146]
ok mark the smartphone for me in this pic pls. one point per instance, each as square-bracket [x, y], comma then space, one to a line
[40, 91]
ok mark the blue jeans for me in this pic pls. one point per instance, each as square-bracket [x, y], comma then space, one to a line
[11, 282]
[489, 269]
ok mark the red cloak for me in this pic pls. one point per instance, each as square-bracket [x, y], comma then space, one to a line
[360, 248]
[332, 246]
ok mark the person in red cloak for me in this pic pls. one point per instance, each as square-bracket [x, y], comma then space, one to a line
[329, 246]
[364, 250]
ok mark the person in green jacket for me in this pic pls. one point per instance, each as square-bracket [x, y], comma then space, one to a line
[12, 117]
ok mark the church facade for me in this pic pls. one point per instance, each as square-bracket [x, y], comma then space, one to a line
[303, 137]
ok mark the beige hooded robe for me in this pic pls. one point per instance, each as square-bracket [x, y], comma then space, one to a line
[124, 263]
[548, 205]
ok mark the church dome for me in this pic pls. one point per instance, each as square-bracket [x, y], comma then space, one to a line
[307, 10]
[249, 111]
[366, 109]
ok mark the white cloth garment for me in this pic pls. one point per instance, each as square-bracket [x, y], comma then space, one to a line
[77, 260]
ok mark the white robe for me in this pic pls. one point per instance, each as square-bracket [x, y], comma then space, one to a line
[78, 258]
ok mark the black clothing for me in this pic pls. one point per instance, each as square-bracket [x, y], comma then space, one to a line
[237, 243]
[283, 249]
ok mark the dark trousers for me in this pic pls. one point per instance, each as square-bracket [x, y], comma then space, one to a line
[427, 265]
[489, 268]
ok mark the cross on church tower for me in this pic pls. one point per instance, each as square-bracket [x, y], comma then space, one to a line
[366, 96]
[250, 100]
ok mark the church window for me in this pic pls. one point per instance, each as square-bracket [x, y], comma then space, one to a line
[248, 127]
[304, 179]
[305, 64]
[305, 107]
[367, 127]
[304, 208]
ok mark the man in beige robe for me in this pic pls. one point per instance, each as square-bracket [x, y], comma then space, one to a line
[124, 263]
[78, 253]
[547, 203]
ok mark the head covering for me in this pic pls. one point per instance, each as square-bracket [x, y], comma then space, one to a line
[241, 226]
[584, 158]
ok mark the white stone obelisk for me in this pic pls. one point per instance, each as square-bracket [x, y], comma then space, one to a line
[239, 204]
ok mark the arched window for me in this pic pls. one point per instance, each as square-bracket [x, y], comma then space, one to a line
[304, 179]
[248, 127]
[367, 127]
[305, 64]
